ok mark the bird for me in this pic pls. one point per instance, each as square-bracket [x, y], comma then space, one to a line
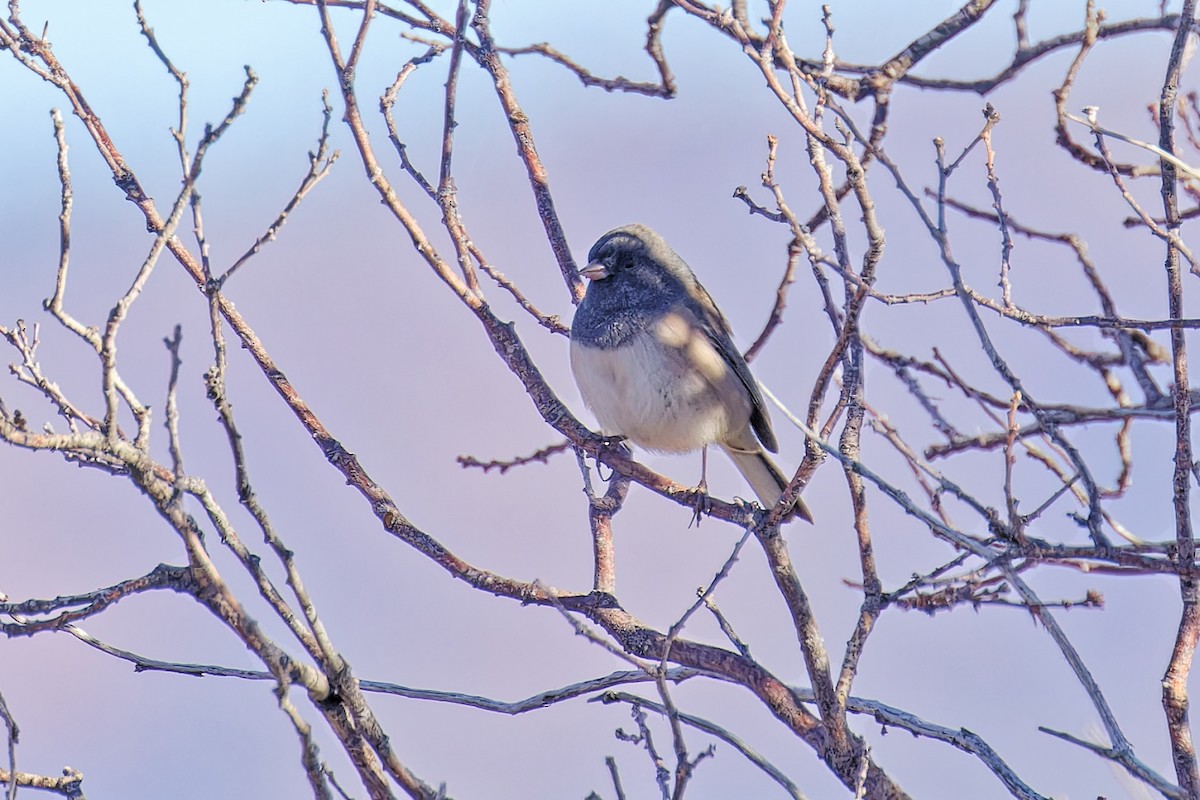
[654, 360]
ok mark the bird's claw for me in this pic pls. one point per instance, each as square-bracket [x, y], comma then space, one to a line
[701, 503]
[616, 443]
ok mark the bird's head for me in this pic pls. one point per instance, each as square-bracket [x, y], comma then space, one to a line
[635, 254]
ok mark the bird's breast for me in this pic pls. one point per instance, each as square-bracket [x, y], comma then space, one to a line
[666, 388]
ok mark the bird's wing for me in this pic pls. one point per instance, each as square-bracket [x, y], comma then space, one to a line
[717, 329]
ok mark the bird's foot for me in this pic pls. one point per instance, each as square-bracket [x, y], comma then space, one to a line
[618, 443]
[615, 442]
[701, 503]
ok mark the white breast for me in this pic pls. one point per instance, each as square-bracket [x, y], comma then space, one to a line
[664, 389]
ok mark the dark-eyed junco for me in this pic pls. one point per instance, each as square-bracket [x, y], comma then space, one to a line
[655, 361]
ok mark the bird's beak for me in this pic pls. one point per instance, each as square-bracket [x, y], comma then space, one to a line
[594, 271]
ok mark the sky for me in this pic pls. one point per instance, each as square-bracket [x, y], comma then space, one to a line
[402, 374]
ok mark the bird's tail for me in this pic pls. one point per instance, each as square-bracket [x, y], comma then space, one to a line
[765, 478]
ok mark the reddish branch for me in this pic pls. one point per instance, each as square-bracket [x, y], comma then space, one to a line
[1175, 689]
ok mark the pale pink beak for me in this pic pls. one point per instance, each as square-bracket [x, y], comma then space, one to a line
[594, 271]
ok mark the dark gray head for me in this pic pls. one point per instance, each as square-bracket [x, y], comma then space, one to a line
[632, 249]
[634, 277]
